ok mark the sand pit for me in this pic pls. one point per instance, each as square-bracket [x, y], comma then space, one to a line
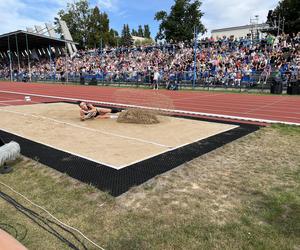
[105, 141]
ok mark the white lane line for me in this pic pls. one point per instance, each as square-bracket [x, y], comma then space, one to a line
[17, 100]
[184, 112]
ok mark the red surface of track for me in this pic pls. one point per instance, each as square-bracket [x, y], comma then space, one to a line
[266, 107]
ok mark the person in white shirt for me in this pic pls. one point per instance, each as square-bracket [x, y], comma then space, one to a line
[156, 79]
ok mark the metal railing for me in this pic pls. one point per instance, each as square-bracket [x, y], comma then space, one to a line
[174, 80]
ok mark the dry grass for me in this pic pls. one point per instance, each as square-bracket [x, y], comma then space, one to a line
[244, 195]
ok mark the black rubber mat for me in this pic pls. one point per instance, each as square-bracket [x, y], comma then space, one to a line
[116, 182]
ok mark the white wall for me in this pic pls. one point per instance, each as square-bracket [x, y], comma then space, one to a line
[236, 33]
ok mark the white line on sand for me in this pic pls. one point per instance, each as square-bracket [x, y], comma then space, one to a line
[85, 128]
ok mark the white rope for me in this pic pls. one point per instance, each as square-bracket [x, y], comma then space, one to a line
[72, 228]
[90, 129]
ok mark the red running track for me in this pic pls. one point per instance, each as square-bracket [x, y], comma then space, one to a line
[247, 108]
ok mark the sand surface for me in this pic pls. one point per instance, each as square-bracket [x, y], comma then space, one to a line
[105, 141]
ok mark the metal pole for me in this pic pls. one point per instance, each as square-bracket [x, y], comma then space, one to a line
[50, 61]
[18, 54]
[67, 72]
[28, 56]
[278, 31]
[195, 57]
[101, 49]
[54, 68]
[10, 62]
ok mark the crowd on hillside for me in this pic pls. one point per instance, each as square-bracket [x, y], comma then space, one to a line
[223, 61]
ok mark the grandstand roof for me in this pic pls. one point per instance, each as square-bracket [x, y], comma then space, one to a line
[35, 41]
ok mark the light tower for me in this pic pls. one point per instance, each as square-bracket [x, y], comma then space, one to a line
[254, 28]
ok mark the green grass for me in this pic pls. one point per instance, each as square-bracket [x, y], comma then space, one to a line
[245, 195]
[287, 129]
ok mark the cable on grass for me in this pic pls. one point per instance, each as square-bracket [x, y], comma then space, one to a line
[60, 222]
[41, 221]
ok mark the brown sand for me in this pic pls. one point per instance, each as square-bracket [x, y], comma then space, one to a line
[138, 116]
[105, 141]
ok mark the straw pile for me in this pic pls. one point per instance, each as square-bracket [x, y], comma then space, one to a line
[138, 116]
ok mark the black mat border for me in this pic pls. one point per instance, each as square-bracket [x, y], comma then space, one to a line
[117, 182]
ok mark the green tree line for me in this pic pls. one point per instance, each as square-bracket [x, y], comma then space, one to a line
[90, 27]
[287, 15]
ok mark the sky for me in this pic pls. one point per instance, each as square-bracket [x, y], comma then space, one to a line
[19, 14]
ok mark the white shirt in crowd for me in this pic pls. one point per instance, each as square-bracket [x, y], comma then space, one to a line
[156, 76]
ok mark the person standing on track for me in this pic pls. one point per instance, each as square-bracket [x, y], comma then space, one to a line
[156, 79]
[88, 111]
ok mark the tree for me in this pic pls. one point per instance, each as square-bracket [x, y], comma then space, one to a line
[99, 32]
[104, 29]
[288, 12]
[95, 28]
[140, 31]
[114, 38]
[126, 38]
[178, 26]
[77, 16]
[89, 27]
[134, 32]
[147, 33]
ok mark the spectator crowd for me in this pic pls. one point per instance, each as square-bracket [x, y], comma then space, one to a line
[223, 61]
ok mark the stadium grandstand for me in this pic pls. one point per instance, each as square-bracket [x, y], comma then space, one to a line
[220, 62]
[21, 50]
[182, 141]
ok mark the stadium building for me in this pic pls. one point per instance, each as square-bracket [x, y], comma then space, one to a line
[35, 44]
[240, 31]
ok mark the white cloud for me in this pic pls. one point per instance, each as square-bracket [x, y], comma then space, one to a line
[109, 5]
[19, 14]
[16, 14]
[222, 13]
